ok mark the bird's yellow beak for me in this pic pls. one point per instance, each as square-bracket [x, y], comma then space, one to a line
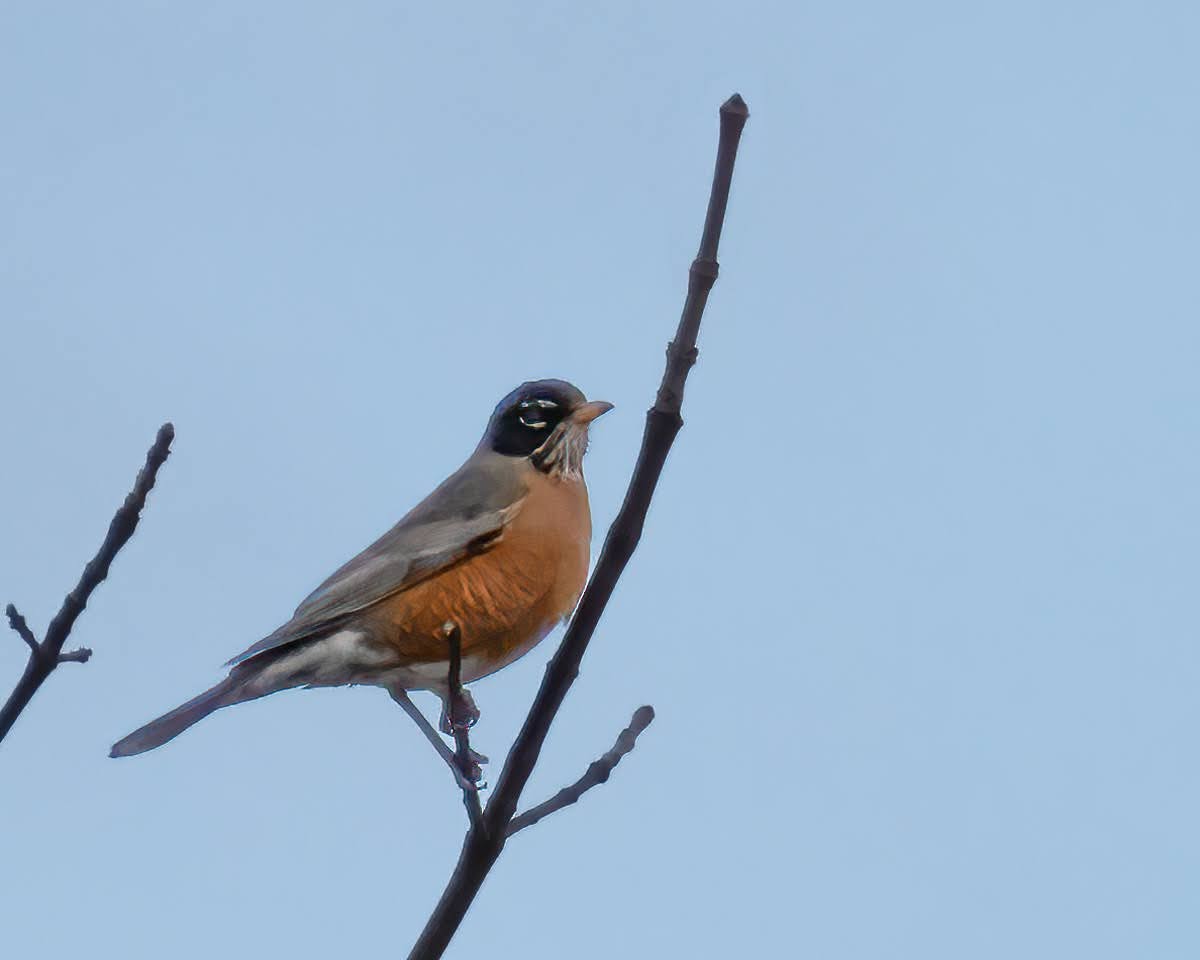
[586, 413]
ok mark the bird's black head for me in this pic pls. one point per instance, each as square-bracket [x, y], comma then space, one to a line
[546, 420]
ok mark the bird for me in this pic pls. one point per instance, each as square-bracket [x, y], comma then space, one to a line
[499, 551]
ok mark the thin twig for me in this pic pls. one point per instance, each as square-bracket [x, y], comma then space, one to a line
[45, 656]
[598, 772]
[431, 734]
[462, 735]
[17, 622]
[481, 848]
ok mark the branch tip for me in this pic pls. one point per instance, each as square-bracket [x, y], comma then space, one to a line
[17, 622]
[598, 772]
[735, 106]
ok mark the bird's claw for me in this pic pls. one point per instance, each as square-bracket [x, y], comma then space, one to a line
[470, 779]
[470, 772]
[458, 712]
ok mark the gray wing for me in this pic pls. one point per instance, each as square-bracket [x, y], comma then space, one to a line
[465, 515]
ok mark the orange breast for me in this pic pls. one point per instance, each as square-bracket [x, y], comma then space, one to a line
[504, 600]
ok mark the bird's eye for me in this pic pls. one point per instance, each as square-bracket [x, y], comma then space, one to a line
[533, 413]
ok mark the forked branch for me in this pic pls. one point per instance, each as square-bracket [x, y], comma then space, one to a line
[598, 772]
[483, 844]
[45, 656]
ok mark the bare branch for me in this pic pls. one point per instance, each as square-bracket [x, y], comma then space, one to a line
[17, 622]
[598, 772]
[481, 848]
[44, 657]
[124, 523]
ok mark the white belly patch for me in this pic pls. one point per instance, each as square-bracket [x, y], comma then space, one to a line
[331, 661]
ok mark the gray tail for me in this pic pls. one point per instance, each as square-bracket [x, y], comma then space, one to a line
[170, 725]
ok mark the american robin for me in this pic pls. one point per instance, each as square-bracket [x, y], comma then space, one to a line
[500, 550]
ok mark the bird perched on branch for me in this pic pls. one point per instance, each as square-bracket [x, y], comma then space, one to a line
[500, 549]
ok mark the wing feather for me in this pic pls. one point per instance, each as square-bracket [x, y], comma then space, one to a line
[465, 515]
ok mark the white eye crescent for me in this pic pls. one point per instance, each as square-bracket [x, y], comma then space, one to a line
[531, 412]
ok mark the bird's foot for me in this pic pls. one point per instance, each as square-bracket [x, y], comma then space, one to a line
[458, 712]
[470, 772]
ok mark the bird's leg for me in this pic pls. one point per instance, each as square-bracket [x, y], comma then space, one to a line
[459, 712]
[468, 779]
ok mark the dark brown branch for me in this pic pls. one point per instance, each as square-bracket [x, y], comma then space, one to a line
[467, 768]
[663, 421]
[598, 772]
[17, 622]
[44, 657]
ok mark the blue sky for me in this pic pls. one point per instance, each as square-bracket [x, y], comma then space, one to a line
[916, 603]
